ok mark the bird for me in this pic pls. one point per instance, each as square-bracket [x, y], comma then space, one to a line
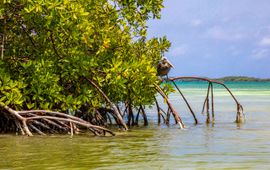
[164, 66]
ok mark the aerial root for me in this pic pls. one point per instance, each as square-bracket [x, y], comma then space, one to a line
[171, 109]
[142, 111]
[112, 105]
[189, 107]
[42, 121]
[240, 117]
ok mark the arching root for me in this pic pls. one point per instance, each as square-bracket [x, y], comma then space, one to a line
[41, 121]
[240, 117]
[171, 109]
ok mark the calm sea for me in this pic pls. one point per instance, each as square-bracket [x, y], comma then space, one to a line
[223, 145]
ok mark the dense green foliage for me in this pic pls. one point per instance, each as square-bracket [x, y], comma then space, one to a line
[52, 47]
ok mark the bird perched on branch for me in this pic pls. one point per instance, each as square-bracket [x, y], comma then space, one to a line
[163, 67]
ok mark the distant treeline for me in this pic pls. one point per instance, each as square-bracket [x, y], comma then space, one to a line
[242, 78]
[233, 79]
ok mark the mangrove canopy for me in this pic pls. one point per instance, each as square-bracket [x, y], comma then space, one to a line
[78, 57]
[71, 65]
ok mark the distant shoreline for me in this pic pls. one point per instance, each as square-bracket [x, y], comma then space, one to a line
[241, 79]
[234, 79]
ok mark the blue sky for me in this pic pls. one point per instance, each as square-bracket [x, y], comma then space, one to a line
[216, 38]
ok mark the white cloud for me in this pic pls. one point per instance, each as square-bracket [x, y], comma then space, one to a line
[179, 50]
[196, 22]
[219, 33]
[265, 41]
[260, 53]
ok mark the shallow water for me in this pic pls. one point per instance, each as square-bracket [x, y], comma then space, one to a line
[223, 145]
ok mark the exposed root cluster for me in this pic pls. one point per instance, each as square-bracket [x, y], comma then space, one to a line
[43, 121]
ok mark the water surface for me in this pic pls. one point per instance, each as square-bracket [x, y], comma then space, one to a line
[223, 145]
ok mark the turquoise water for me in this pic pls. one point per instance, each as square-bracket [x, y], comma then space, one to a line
[223, 145]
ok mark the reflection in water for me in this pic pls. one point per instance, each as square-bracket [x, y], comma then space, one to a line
[216, 146]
